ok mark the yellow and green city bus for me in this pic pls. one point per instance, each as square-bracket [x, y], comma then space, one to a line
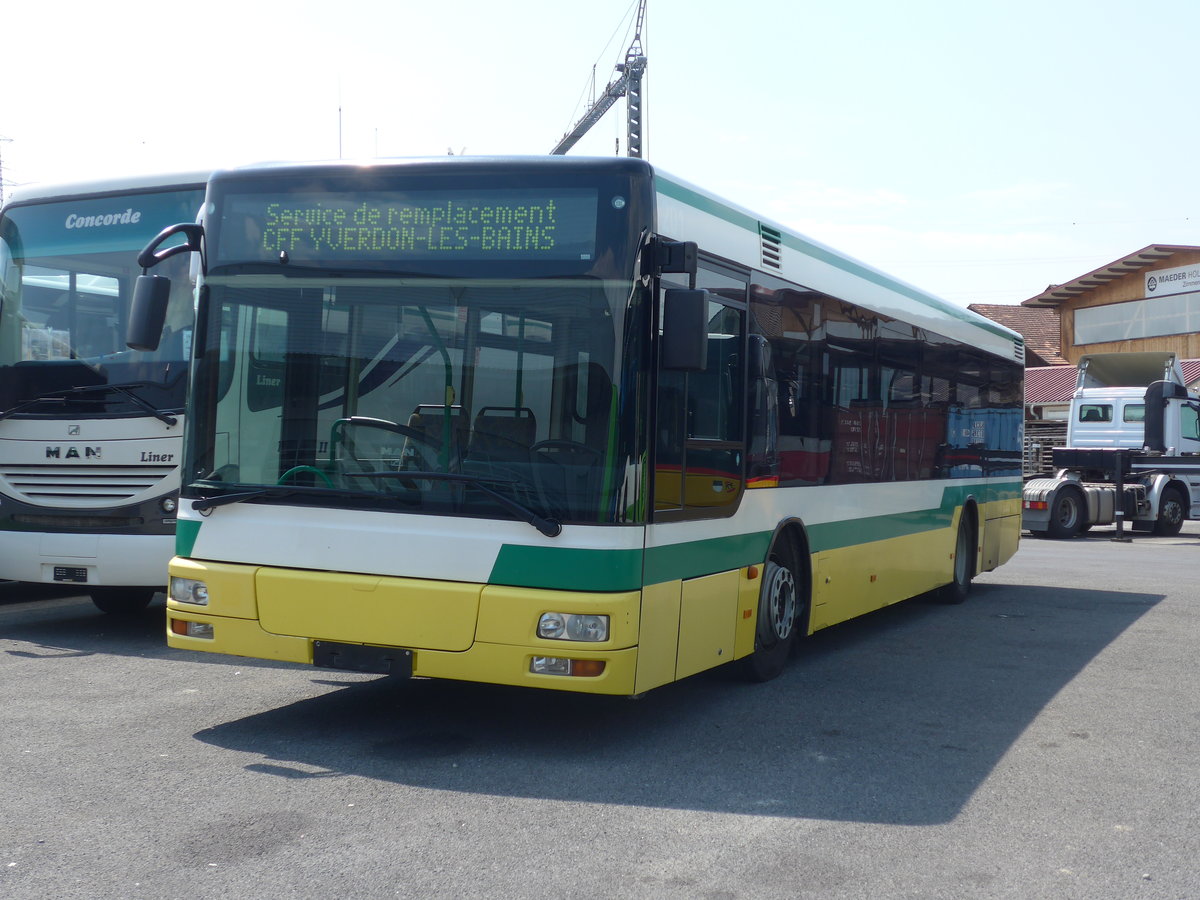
[563, 423]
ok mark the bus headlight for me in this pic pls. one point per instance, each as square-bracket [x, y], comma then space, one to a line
[188, 590]
[570, 627]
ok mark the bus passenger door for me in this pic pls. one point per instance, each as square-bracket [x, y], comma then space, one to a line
[698, 475]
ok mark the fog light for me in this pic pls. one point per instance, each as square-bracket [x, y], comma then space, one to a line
[568, 627]
[550, 665]
[557, 665]
[168, 504]
[188, 590]
[192, 629]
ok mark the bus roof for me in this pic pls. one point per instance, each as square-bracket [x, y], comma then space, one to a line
[768, 246]
[32, 193]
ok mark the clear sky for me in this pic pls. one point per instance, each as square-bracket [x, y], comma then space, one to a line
[980, 149]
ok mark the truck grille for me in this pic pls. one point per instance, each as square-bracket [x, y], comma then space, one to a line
[82, 486]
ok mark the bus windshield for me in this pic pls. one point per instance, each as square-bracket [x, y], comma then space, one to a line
[67, 269]
[482, 397]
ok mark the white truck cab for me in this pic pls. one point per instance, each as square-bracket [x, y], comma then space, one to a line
[1132, 401]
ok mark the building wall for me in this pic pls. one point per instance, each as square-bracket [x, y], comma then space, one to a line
[1123, 290]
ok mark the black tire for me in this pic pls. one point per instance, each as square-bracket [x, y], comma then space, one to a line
[118, 601]
[1172, 510]
[1066, 514]
[964, 562]
[782, 608]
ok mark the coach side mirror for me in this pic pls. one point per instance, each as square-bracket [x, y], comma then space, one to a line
[147, 312]
[685, 330]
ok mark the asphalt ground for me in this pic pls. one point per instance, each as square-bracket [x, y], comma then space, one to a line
[1038, 741]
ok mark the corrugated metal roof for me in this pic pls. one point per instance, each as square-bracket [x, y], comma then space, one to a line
[1056, 384]
[1049, 384]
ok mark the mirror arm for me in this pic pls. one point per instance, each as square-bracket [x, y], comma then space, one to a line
[151, 256]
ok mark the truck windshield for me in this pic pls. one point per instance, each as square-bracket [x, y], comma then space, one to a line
[492, 398]
[66, 276]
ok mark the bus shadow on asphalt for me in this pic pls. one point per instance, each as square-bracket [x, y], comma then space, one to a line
[897, 717]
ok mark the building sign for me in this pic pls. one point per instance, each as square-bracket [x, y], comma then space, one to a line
[1173, 281]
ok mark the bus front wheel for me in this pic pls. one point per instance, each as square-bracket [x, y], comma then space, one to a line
[780, 612]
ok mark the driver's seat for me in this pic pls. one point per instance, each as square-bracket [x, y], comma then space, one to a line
[503, 433]
[429, 420]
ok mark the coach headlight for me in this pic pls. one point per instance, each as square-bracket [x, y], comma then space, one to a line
[569, 627]
[189, 590]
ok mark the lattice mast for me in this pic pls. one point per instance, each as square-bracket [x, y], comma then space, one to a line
[628, 84]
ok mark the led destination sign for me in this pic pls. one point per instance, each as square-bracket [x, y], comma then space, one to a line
[536, 224]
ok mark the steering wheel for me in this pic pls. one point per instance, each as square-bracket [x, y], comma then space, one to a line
[338, 434]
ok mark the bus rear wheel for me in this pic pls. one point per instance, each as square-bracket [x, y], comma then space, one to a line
[122, 601]
[964, 563]
[780, 612]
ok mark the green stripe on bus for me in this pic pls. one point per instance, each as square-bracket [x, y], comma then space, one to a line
[571, 569]
[740, 219]
[696, 558]
[568, 568]
[186, 532]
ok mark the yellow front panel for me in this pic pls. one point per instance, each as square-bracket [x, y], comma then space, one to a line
[707, 622]
[659, 636]
[368, 609]
[509, 615]
[230, 587]
[231, 613]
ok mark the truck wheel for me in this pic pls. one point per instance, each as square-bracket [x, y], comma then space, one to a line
[122, 601]
[1066, 515]
[1171, 513]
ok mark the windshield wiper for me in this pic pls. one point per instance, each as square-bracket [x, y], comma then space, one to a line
[275, 493]
[548, 526]
[64, 394]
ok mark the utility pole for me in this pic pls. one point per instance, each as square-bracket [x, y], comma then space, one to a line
[628, 84]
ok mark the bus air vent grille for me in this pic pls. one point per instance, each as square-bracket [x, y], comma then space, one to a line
[772, 246]
[83, 486]
[1019, 350]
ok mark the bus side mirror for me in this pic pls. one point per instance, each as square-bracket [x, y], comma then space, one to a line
[147, 312]
[685, 331]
